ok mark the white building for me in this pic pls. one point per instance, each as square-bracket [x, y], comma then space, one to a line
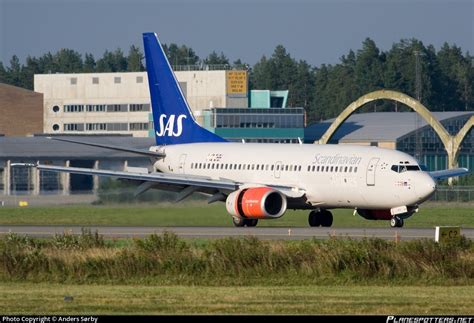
[111, 103]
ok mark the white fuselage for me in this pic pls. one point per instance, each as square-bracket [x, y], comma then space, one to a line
[331, 176]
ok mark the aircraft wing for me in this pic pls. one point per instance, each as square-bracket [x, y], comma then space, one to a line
[151, 177]
[119, 148]
[446, 173]
[186, 184]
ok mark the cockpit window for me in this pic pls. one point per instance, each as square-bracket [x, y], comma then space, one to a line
[404, 168]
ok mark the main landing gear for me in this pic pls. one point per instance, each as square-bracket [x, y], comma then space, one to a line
[240, 222]
[320, 218]
[396, 222]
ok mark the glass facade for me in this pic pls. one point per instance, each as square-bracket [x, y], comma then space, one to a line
[50, 182]
[258, 124]
[21, 181]
[257, 118]
[425, 145]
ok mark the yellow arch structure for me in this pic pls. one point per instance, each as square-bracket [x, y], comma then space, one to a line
[451, 143]
[457, 140]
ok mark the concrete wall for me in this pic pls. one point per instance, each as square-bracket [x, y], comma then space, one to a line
[203, 89]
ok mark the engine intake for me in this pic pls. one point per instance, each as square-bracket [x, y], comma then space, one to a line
[256, 203]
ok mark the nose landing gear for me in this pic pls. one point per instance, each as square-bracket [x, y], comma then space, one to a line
[320, 218]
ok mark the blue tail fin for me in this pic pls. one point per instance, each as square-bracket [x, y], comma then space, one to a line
[174, 122]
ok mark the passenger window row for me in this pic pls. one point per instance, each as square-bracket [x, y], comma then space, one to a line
[277, 167]
[291, 168]
[332, 169]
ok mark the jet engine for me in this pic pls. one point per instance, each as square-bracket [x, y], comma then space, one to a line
[256, 203]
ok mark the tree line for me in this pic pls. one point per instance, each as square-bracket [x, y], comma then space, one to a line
[443, 80]
[71, 61]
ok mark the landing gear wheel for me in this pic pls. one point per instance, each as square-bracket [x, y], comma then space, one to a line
[396, 222]
[251, 222]
[326, 219]
[314, 219]
[238, 222]
[320, 218]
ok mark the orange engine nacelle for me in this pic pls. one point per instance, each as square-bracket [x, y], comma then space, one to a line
[256, 203]
[375, 214]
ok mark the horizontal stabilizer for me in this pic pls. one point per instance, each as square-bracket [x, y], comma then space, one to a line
[446, 173]
[112, 147]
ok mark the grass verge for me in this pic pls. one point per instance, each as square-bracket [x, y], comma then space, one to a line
[198, 214]
[46, 298]
[166, 259]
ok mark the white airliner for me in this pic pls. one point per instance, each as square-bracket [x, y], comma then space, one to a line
[262, 181]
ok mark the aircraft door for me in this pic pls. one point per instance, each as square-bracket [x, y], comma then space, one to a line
[371, 171]
[277, 169]
[182, 161]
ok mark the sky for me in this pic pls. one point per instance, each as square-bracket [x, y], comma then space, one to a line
[317, 31]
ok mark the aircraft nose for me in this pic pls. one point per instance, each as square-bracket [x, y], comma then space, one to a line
[426, 187]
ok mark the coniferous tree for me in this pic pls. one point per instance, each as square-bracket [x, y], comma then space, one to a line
[369, 67]
[301, 88]
[455, 77]
[14, 72]
[180, 55]
[320, 99]
[120, 61]
[3, 74]
[216, 59]
[106, 63]
[68, 61]
[135, 59]
[283, 69]
[47, 64]
[260, 75]
[89, 63]
[28, 71]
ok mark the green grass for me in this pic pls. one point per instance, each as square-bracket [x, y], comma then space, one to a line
[199, 214]
[164, 274]
[46, 298]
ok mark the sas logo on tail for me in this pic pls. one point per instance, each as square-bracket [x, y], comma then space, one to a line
[170, 129]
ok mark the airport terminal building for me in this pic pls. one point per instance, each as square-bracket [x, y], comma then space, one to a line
[119, 103]
[38, 149]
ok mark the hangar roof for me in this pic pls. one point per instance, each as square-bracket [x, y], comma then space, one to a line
[377, 126]
[41, 147]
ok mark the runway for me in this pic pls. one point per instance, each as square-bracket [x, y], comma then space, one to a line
[267, 233]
